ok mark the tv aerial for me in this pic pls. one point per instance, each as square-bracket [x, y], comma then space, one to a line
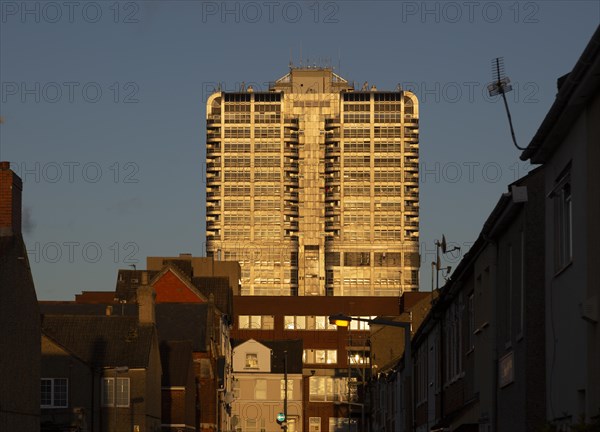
[501, 86]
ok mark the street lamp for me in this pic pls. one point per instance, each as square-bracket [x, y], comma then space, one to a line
[342, 320]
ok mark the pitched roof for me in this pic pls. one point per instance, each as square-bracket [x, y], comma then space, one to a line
[576, 90]
[293, 347]
[176, 360]
[128, 282]
[219, 287]
[102, 341]
[174, 321]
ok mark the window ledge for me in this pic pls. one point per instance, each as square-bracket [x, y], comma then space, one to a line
[563, 269]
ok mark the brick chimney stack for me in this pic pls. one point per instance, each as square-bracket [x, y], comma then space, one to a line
[146, 297]
[11, 188]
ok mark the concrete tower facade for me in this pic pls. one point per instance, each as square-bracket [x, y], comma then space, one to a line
[313, 186]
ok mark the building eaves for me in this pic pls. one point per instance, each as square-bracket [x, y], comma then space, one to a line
[574, 93]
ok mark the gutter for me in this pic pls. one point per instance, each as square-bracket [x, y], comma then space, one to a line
[572, 96]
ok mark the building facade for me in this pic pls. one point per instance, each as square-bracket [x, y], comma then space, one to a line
[260, 369]
[566, 144]
[19, 316]
[313, 187]
[478, 357]
[335, 361]
[101, 373]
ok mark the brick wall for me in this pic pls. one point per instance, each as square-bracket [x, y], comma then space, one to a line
[170, 289]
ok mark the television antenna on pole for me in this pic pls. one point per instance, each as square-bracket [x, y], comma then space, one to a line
[501, 86]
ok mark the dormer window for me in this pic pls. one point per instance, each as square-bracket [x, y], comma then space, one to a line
[251, 361]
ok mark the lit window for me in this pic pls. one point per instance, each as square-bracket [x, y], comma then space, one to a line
[258, 322]
[294, 322]
[327, 389]
[251, 360]
[319, 356]
[340, 424]
[290, 389]
[54, 393]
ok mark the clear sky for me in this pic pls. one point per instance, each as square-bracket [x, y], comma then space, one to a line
[104, 116]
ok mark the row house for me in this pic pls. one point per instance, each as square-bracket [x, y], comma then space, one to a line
[513, 344]
[260, 390]
[189, 309]
[567, 145]
[386, 390]
[477, 358]
[101, 373]
[19, 370]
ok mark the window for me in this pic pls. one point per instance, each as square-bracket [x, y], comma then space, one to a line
[522, 287]
[294, 322]
[122, 392]
[236, 389]
[453, 340]
[421, 374]
[319, 356]
[251, 425]
[251, 361]
[314, 424]
[471, 311]
[356, 357]
[328, 389]
[340, 424]
[256, 322]
[260, 389]
[563, 221]
[361, 325]
[55, 392]
[290, 389]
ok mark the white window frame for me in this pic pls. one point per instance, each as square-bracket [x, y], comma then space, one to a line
[260, 389]
[109, 383]
[563, 221]
[53, 387]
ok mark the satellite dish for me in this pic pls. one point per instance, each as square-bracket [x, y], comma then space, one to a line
[443, 243]
[235, 420]
[228, 397]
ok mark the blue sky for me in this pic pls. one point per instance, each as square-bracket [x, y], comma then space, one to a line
[103, 107]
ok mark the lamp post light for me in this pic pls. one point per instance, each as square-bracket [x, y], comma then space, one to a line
[118, 370]
[342, 320]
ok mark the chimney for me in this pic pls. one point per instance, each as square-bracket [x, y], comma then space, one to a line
[11, 188]
[146, 300]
